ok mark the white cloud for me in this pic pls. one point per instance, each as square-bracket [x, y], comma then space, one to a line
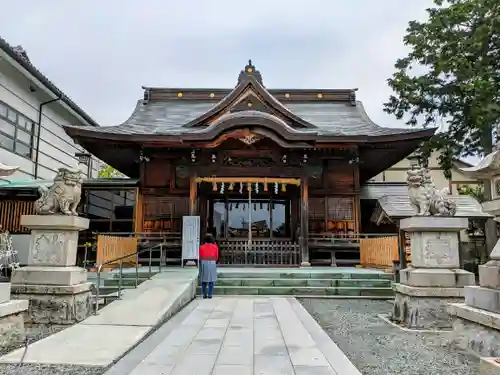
[101, 52]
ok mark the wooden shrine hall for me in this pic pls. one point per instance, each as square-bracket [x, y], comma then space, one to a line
[266, 170]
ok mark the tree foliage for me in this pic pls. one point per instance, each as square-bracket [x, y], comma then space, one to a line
[475, 191]
[451, 77]
[107, 171]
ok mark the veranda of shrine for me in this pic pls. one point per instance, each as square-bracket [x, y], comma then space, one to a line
[277, 175]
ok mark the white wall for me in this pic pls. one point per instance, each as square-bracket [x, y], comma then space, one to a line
[397, 173]
[57, 149]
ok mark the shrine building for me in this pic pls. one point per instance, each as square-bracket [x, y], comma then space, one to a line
[263, 168]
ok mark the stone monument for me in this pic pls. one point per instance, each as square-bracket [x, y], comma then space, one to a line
[12, 312]
[58, 291]
[476, 323]
[434, 278]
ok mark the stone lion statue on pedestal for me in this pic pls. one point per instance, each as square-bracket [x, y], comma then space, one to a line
[63, 197]
[425, 197]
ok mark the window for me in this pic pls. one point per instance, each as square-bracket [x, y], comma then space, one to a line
[3, 110]
[109, 210]
[268, 218]
[16, 131]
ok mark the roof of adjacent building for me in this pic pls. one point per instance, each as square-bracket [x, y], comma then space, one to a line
[21, 57]
[397, 207]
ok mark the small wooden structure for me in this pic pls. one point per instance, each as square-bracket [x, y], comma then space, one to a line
[390, 209]
[110, 248]
[379, 252]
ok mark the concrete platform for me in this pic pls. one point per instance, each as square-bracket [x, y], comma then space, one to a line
[244, 336]
[100, 340]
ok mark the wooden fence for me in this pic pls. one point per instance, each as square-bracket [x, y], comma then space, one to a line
[112, 247]
[378, 251]
[259, 253]
[11, 212]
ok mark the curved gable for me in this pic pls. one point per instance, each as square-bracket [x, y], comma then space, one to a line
[249, 86]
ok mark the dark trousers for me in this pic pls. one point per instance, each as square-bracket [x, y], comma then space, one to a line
[210, 289]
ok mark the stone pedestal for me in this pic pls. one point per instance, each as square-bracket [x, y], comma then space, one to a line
[476, 323]
[57, 290]
[435, 278]
[12, 314]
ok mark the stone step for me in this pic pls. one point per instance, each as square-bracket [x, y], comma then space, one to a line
[351, 292]
[105, 291]
[255, 282]
[126, 282]
[303, 275]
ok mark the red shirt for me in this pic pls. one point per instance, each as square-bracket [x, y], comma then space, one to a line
[209, 251]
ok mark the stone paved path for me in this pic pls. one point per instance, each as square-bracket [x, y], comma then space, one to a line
[238, 336]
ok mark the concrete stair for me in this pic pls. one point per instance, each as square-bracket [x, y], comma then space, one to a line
[109, 285]
[300, 283]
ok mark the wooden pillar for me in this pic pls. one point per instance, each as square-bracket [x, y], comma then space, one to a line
[193, 196]
[138, 211]
[402, 249]
[304, 223]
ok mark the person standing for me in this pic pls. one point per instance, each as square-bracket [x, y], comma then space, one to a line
[209, 254]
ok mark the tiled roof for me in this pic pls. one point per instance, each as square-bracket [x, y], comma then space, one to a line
[20, 56]
[399, 206]
[168, 118]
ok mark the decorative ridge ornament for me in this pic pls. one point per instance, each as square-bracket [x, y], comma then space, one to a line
[250, 71]
[249, 139]
[425, 197]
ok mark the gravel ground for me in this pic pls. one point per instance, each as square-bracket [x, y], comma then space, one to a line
[36, 333]
[32, 369]
[378, 348]
[33, 334]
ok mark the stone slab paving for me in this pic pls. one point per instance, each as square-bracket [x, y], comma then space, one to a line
[102, 339]
[238, 336]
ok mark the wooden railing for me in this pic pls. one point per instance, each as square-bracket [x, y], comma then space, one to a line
[263, 252]
[112, 247]
[378, 252]
[336, 249]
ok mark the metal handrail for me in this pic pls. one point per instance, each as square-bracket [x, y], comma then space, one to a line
[120, 274]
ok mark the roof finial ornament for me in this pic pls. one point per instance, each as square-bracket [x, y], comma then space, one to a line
[250, 71]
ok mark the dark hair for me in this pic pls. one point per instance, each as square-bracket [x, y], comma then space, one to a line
[208, 238]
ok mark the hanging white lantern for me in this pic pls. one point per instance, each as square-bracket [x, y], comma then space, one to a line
[256, 188]
[276, 188]
[222, 186]
[241, 187]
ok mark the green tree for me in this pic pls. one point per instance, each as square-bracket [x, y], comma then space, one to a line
[107, 171]
[476, 191]
[451, 79]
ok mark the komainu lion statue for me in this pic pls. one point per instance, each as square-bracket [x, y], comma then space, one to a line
[425, 197]
[63, 196]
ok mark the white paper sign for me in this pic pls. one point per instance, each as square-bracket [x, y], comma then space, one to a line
[190, 238]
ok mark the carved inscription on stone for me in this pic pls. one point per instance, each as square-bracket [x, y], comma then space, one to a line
[48, 248]
[435, 250]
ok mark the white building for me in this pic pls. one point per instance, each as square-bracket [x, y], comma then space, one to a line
[32, 110]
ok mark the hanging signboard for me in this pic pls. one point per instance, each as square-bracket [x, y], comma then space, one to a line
[190, 238]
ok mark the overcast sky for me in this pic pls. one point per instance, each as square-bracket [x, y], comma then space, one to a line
[100, 52]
